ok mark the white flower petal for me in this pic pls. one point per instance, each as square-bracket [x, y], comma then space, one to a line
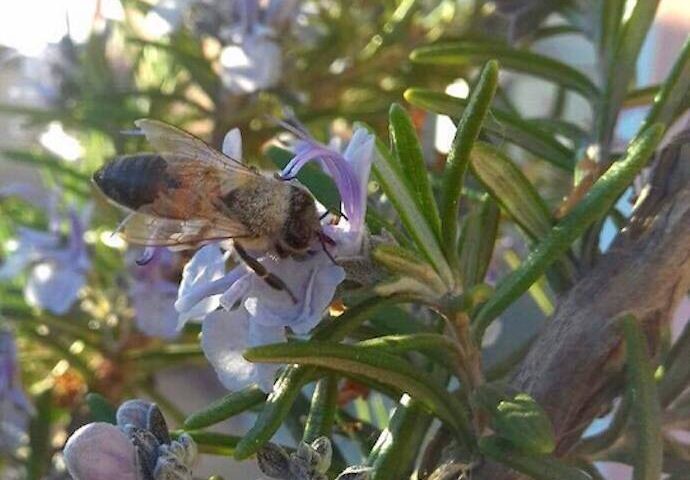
[232, 144]
[193, 300]
[101, 451]
[313, 281]
[225, 336]
[154, 306]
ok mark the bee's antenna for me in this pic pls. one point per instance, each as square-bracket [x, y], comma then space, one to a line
[325, 239]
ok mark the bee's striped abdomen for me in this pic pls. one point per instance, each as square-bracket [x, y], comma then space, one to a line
[134, 181]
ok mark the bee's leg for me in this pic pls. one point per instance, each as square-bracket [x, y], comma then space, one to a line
[271, 279]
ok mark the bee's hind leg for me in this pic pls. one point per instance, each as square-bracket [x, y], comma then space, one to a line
[271, 279]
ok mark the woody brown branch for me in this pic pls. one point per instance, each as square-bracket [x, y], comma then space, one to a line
[574, 368]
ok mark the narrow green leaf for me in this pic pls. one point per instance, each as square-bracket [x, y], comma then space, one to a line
[322, 410]
[477, 241]
[621, 69]
[676, 374]
[592, 207]
[404, 262]
[395, 451]
[474, 52]
[407, 150]
[673, 91]
[226, 407]
[610, 23]
[438, 347]
[212, 443]
[469, 125]
[288, 386]
[537, 467]
[646, 409]
[510, 188]
[391, 179]
[381, 367]
[40, 437]
[410, 342]
[500, 124]
[538, 290]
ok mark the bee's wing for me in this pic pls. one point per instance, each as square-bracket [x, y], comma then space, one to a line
[170, 141]
[144, 229]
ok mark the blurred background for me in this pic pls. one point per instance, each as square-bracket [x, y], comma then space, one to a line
[75, 74]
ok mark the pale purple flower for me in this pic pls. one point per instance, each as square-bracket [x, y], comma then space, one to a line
[253, 313]
[153, 291]
[56, 264]
[139, 447]
[252, 60]
[254, 63]
[350, 171]
[15, 408]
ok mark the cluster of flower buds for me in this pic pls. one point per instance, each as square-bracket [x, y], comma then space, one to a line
[139, 447]
[308, 462]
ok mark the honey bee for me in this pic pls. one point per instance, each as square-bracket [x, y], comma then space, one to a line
[189, 194]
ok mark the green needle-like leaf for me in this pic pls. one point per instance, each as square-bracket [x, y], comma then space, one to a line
[389, 175]
[621, 67]
[610, 23]
[456, 164]
[673, 91]
[510, 188]
[406, 149]
[591, 208]
[395, 451]
[536, 466]
[376, 365]
[477, 242]
[646, 410]
[500, 124]
[212, 443]
[323, 409]
[288, 386]
[438, 347]
[474, 52]
[404, 262]
[226, 407]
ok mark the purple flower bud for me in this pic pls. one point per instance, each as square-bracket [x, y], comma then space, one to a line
[101, 451]
[139, 447]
